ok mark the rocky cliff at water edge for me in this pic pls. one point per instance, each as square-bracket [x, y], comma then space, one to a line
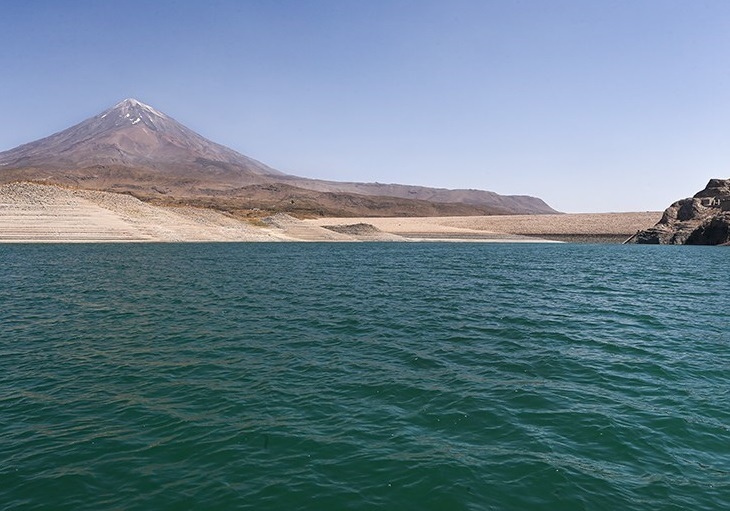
[700, 220]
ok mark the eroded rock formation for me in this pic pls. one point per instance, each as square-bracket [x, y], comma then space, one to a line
[700, 220]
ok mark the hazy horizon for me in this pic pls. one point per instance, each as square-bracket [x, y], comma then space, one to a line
[589, 106]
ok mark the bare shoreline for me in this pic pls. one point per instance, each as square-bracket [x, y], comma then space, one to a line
[33, 213]
[581, 227]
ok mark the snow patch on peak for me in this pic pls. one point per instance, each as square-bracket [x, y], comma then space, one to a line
[130, 102]
[136, 105]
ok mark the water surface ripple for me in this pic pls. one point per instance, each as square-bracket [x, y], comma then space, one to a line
[362, 376]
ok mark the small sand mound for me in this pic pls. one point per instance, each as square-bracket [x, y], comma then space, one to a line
[360, 229]
[280, 220]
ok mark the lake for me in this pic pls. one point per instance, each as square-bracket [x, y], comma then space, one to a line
[361, 376]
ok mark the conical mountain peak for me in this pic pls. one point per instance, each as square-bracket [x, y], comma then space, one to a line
[134, 135]
[131, 102]
[133, 112]
[134, 104]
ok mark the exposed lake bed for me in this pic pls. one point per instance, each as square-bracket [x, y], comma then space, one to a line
[30, 212]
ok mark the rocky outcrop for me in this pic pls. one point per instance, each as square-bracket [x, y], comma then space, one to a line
[700, 220]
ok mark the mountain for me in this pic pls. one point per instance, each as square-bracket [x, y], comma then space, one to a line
[135, 148]
[703, 219]
[136, 136]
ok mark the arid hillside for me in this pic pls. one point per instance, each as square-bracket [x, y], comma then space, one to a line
[31, 212]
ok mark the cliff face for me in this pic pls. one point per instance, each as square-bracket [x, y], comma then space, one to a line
[700, 220]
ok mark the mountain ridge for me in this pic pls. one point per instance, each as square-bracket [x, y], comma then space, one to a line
[132, 147]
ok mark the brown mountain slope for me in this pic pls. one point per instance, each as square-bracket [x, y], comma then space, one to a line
[506, 203]
[259, 200]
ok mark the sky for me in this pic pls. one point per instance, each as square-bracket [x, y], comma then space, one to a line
[593, 106]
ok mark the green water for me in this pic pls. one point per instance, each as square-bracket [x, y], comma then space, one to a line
[364, 376]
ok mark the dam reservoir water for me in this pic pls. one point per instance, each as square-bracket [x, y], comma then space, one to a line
[364, 376]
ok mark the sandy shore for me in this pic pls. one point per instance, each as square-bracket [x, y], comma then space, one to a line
[41, 213]
[583, 227]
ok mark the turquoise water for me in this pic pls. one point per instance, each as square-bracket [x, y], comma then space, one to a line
[364, 376]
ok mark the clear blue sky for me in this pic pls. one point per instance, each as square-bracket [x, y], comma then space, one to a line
[611, 105]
